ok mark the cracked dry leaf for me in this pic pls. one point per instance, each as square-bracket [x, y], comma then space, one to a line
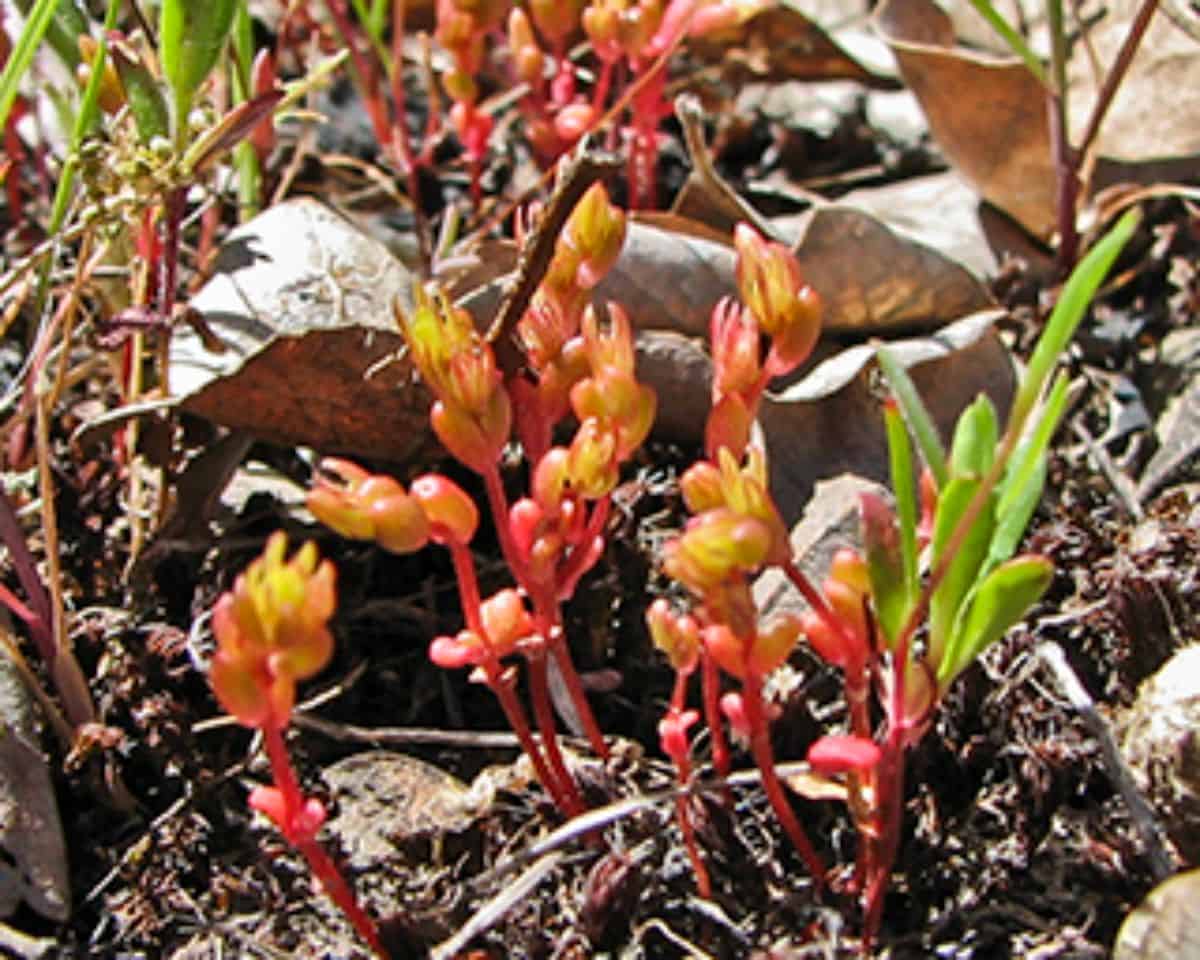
[302, 302]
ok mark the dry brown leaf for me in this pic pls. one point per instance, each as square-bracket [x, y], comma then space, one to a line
[33, 855]
[780, 43]
[873, 279]
[987, 113]
[302, 301]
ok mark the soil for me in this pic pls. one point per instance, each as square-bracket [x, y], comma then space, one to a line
[1016, 841]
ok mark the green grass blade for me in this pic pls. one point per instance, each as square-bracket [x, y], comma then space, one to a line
[1072, 304]
[904, 490]
[916, 414]
[1016, 43]
[22, 54]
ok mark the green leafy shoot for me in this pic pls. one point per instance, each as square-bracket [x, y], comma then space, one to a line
[964, 556]
[1021, 488]
[191, 36]
[1064, 320]
[903, 475]
[975, 437]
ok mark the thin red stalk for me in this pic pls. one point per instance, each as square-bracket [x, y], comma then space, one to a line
[544, 714]
[366, 75]
[1116, 74]
[319, 862]
[764, 757]
[494, 676]
[710, 682]
[1066, 162]
[401, 143]
[683, 810]
[566, 666]
[498, 503]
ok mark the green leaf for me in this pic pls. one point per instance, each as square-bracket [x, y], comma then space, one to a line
[1021, 490]
[916, 414]
[964, 566]
[885, 565]
[143, 92]
[1073, 302]
[64, 29]
[191, 35]
[22, 53]
[975, 437]
[903, 488]
[1002, 600]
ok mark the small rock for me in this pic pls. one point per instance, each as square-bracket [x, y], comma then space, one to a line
[1160, 740]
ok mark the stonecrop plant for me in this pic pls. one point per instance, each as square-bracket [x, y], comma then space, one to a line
[272, 631]
[577, 362]
[934, 585]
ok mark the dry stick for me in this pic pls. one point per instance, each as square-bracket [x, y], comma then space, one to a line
[1116, 74]
[1161, 862]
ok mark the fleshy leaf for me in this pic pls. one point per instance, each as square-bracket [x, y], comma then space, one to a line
[1026, 475]
[975, 437]
[964, 567]
[885, 565]
[190, 37]
[1001, 601]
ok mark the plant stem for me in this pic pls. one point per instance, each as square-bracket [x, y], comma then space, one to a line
[319, 862]
[816, 599]
[764, 757]
[683, 810]
[544, 713]
[710, 682]
[495, 676]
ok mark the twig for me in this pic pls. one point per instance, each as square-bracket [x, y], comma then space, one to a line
[1161, 862]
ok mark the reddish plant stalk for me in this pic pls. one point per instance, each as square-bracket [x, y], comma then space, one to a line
[683, 810]
[764, 757]
[710, 682]
[319, 862]
[494, 675]
[543, 711]
[367, 76]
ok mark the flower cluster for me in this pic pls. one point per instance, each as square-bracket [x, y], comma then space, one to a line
[272, 631]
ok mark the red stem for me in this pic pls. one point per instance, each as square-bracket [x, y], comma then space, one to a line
[494, 675]
[683, 810]
[764, 757]
[319, 862]
[710, 680]
[544, 714]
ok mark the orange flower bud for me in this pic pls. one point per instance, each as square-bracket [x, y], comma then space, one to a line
[505, 620]
[774, 644]
[678, 636]
[592, 460]
[701, 487]
[556, 19]
[770, 285]
[111, 91]
[714, 546]
[364, 506]
[453, 516]
[271, 631]
[595, 231]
